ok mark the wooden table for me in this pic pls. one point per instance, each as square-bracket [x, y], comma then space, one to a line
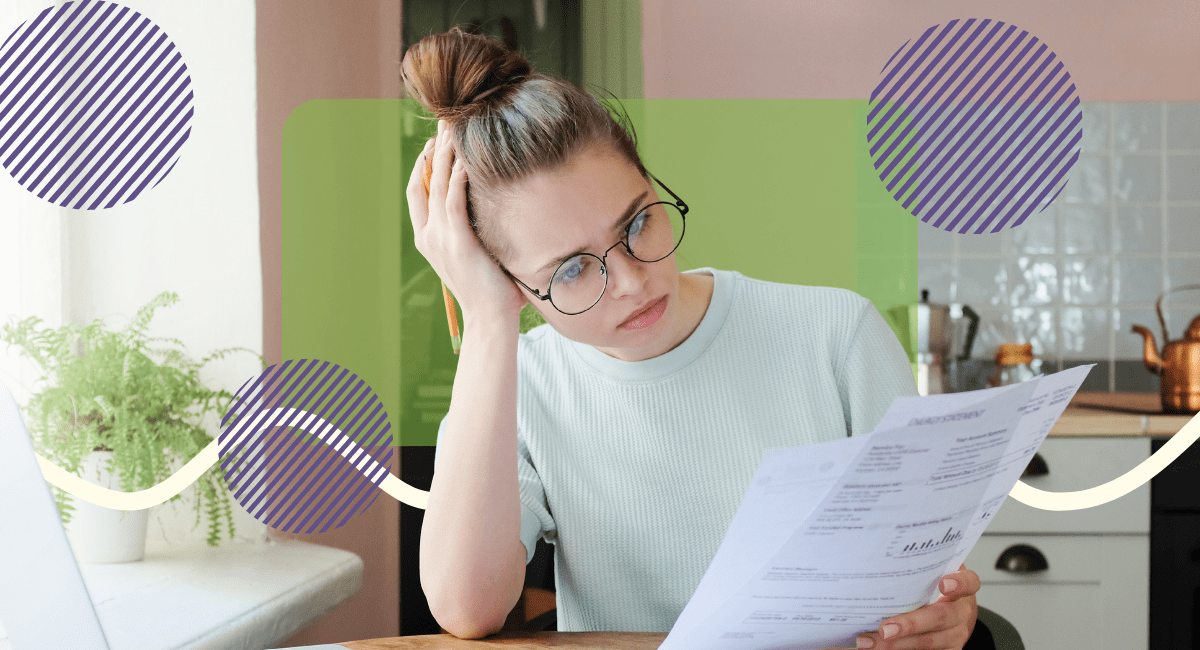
[518, 640]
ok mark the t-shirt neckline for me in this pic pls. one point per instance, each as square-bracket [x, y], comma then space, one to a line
[682, 354]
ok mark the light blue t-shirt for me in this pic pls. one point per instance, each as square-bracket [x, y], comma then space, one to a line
[633, 470]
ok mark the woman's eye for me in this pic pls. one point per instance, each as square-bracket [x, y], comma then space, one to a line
[569, 271]
[636, 225]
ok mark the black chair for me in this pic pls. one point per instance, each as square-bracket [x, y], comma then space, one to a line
[1002, 633]
[992, 631]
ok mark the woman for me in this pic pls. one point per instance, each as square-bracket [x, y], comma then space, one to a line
[639, 411]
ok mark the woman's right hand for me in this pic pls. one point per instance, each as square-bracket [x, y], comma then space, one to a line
[444, 236]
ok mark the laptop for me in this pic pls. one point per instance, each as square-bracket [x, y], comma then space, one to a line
[37, 565]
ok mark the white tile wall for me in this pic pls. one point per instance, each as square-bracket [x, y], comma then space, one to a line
[1072, 279]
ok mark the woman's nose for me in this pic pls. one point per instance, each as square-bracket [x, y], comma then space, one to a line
[626, 274]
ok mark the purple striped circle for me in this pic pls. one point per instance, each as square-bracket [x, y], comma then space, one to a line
[95, 103]
[975, 126]
[305, 445]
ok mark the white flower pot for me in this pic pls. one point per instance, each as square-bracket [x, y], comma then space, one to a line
[100, 535]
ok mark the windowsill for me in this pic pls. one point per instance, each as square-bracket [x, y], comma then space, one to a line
[238, 595]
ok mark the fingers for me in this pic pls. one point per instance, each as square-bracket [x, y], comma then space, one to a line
[946, 623]
[418, 203]
[443, 156]
[959, 584]
[456, 197]
[935, 617]
[952, 639]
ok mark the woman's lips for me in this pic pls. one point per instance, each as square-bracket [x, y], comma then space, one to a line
[647, 318]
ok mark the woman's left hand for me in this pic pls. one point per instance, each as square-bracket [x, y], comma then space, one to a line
[945, 624]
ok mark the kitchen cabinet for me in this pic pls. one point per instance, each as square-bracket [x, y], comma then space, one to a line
[1092, 595]
[1175, 552]
[1125, 574]
[1078, 578]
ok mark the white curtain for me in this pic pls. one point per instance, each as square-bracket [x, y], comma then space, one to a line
[33, 236]
[195, 234]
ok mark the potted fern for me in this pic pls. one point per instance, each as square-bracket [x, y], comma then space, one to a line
[113, 414]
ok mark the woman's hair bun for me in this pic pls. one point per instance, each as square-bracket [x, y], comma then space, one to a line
[450, 72]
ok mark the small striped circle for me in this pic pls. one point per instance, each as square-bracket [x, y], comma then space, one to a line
[975, 126]
[95, 103]
[304, 446]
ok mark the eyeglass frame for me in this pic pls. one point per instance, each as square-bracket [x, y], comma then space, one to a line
[623, 241]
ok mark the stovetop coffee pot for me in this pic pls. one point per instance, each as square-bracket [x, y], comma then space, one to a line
[932, 332]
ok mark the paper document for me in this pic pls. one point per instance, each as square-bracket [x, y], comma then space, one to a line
[830, 539]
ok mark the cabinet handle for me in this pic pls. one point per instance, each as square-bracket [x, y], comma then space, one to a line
[1037, 467]
[1022, 558]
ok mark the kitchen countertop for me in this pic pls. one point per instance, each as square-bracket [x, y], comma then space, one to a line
[1117, 414]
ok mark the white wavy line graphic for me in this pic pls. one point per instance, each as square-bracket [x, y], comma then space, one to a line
[1118, 487]
[407, 494]
[340, 442]
[203, 461]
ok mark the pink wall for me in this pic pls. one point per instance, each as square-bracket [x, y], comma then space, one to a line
[1115, 50]
[314, 49]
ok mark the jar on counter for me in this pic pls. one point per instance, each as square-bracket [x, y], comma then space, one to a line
[1014, 364]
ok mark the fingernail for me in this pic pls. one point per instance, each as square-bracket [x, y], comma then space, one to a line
[890, 630]
[949, 584]
[865, 642]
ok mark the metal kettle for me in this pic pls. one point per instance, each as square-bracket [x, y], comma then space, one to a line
[1179, 364]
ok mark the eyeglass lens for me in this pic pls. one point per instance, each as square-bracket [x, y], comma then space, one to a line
[579, 282]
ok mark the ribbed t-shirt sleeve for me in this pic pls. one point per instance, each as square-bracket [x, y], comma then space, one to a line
[536, 519]
[531, 492]
[875, 370]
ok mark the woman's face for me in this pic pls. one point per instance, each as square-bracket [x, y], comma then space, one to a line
[585, 205]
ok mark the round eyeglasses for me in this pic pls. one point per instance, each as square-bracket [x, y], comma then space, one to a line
[652, 235]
